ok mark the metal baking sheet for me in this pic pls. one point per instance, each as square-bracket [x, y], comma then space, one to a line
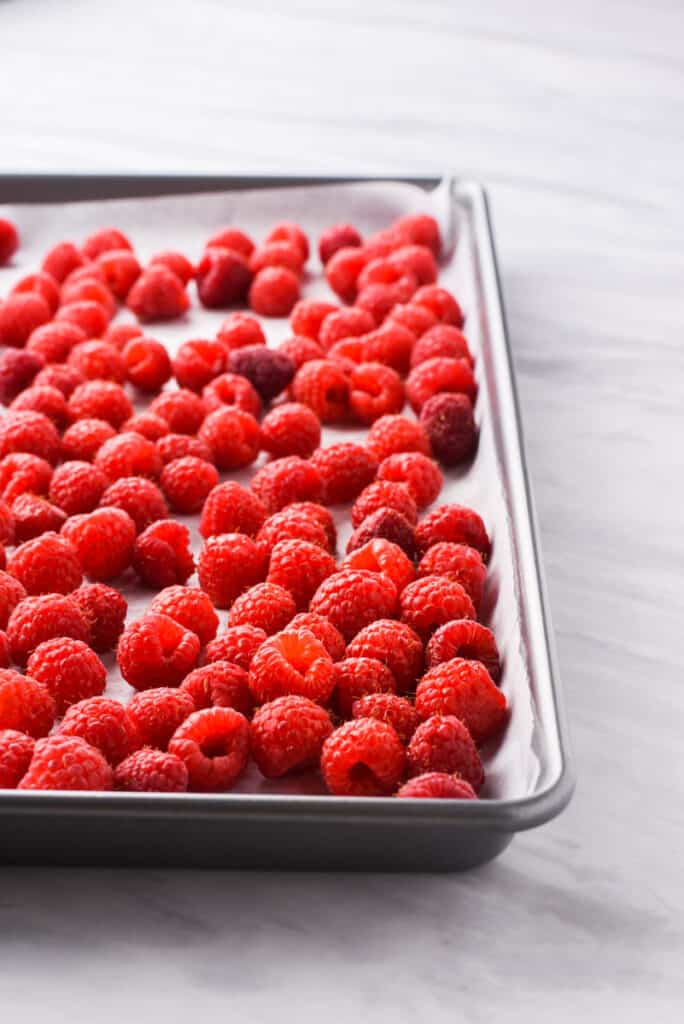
[290, 824]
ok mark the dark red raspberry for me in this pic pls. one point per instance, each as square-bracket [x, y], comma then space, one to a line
[442, 743]
[431, 601]
[290, 524]
[336, 237]
[191, 608]
[385, 524]
[67, 762]
[287, 735]
[417, 319]
[388, 707]
[437, 786]
[158, 295]
[283, 481]
[157, 713]
[323, 630]
[40, 618]
[417, 472]
[148, 425]
[41, 284]
[46, 565]
[265, 606]
[382, 556]
[308, 315]
[384, 494]
[83, 439]
[465, 689]
[440, 302]
[345, 468]
[352, 598]
[178, 446]
[9, 240]
[439, 375]
[120, 270]
[463, 638]
[238, 645]
[20, 315]
[23, 473]
[128, 455]
[69, 669]
[450, 426]
[342, 271]
[223, 278]
[357, 677]
[147, 363]
[156, 651]
[268, 370]
[214, 745]
[288, 231]
[16, 751]
[239, 330]
[151, 771]
[276, 254]
[220, 684]
[120, 334]
[233, 436]
[290, 429]
[456, 524]
[44, 399]
[18, 368]
[29, 432]
[104, 724]
[34, 516]
[344, 323]
[364, 757]
[232, 238]
[187, 482]
[104, 240]
[77, 487]
[394, 435]
[231, 508]
[176, 262]
[11, 593]
[104, 610]
[442, 340]
[140, 498]
[104, 542]
[458, 562]
[394, 644]
[100, 400]
[198, 362]
[230, 389]
[62, 259]
[54, 341]
[228, 564]
[375, 390]
[25, 704]
[90, 316]
[299, 567]
[58, 375]
[162, 555]
[293, 661]
[323, 386]
[183, 410]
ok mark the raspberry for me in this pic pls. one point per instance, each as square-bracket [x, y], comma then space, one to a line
[44, 399]
[18, 369]
[66, 762]
[440, 302]
[379, 270]
[375, 390]
[29, 432]
[40, 618]
[384, 494]
[336, 237]
[292, 662]
[454, 523]
[390, 708]
[417, 472]
[394, 644]
[100, 400]
[230, 389]
[394, 435]
[104, 542]
[16, 751]
[345, 468]
[290, 429]
[157, 713]
[120, 270]
[364, 757]
[157, 295]
[58, 375]
[457, 562]
[323, 630]
[25, 704]
[268, 370]
[439, 375]
[9, 240]
[228, 564]
[90, 316]
[214, 745]
[147, 425]
[232, 238]
[5, 652]
[463, 638]
[233, 436]
[69, 669]
[20, 315]
[381, 555]
[287, 735]
[151, 771]
[320, 515]
[380, 299]
[178, 446]
[344, 323]
[34, 516]
[46, 565]
[41, 284]
[415, 260]
[77, 487]
[417, 319]
[162, 555]
[23, 473]
[104, 240]
[128, 455]
[183, 410]
[443, 341]
[450, 426]
[11, 593]
[198, 362]
[83, 439]
[156, 651]
[240, 330]
[176, 262]
[283, 481]
[104, 724]
[88, 289]
[431, 601]
[288, 231]
[104, 610]
[348, 353]
[87, 271]
[419, 229]
[437, 786]
[238, 645]
[219, 684]
[190, 607]
[465, 689]
[231, 508]
[187, 482]
[391, 345]
[342, 271]
[300, 568]
[357, 677]
[223, 278]
[385, 524]
[140, 498]
[54, 341]
[120, 334]
[6, 524]
[276, 254]
[308, 315]
[442, 743]
[147, 364]
[352, 598]
[265, 606]
[62, 259]
[291, 524]
[323, 386]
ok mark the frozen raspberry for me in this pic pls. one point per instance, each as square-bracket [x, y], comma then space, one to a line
[390, 345]
[380, 270]
[104, 724]
[323, 630]
[347, 353]
[46, 565]
[384, 494]
[191, 608]
[465, 689]
[29, 432]
[458, 562]
[104, 240]
[90, 316]
[336, 237]
[441, 341]
[119, 334]
[394, 644]
[417, 319]
[301, 349]
[390, 708]
[442, 303]
[6, 524]
[283, 481]
[147, 364]
[437, 786]
[18, 368]
[308, 315]
[66, 762]
[450, 426]
[268, 370]
[290, 429]
[11, 593]
[34, 516]
[352, 598]
[344, 323]
[25, 704]
[104, 542]
[394, 435]
[9, 240]
[77, 487]
[148, 425]
[431, 601]
[342, 271]
[87, 271]
[375, 390]
[287, 735]
[238, 645]
[233, 436]
[179, 446]
[223, 278]
[198, 362]
[23, 473]
[101, 400]
[240, 330]
[230, 389]
[417, 472]
[381, 555]
[293, 661]
[232, 238]
[69, 669]
[289, 524]
[276, 254]
[219, 684]
[214, 745]
[54, 341]
[128, 455]
[345, 468]
[16, 751]
[157, 713]
[320, 515]
[274, 291]
[323, 386]
[415, 260]
[299, 567]
[288, 231]
[151, 771]
[183, 410]
[140, 498]
[156, 651]
[20, 315]
[265, 606]
[176, 262]
[162, 555]
[442, 743]
[456, 524]
[187, 482]
[88, 289]
[41, 284]
[419, 229]
[44, 399]
[380, 299]
[463, 638]
[364, 757]
[157, 295]
[439, 375]
[36, 619]
[104, 610]
[120, 270]
[385, 524]
[83, 439]
[231, 508]
[357, 677]
[58, 375]
[228, 564]
[62, 259]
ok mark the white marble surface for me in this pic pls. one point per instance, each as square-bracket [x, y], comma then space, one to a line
[572, 115]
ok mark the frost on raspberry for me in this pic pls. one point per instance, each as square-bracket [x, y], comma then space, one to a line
[156, 651]
[292, 662]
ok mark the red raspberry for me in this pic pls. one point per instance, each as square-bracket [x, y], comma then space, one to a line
[41, 284]
[288, 231]
[293, 661]
[128, 455]
[5, 651]
[454, 523]
[431, 601]
[16, 751]
[151, 771]
[46, 565]
[440, 302]
[104, 542]
[346, 468]
[268, 370]
[140, 498]
[385, 524]
[352, 598]
[415, 260]
[183, 410]
[83, 440]
[162, 555]
[394, 644]
[62, 259]
[357, 677]
[11, 593]
[417, 319]
[336, 237]
[299, 567]
[364, 757]
[230, 389]
[9, 240]
[54, 341]
[441, 341]
[223, 278]
[457, 562]
[450, 425]
[23, 473]
[379, 270]
[29, 432]
[60, 376]
[380, 299]
[90, 316]
[6, 524]
[176, 262]
[383, 556]
[120, 270]
[323, 630]
[147, 425]
[44, 399]
[231, 508]
[419, 229]
[34, 516]
[390, 708]
[465, 689]
[214, 745]
[439, 375]
[463, 638]
[104, 240]
[320, 515]
[66, 762]
[119, 335]
[187, 482]
[104, 724]
[156, 651]
[233, 436]
[232, 238]
[157, 295]
[18, 368]
[308, 315]
[264, 606]
[157, 713]
[342, 271]
[291, 523]
[323, 386]
[417, 472]
[287, 736]
[442, 743]
[20, 315]
[147, 363]
[101, 400]
[228, 564]
[283, 481]
[219, 684]
[77, 487]
[36, 619]
[191, 608]
[290, 429]
[88, 289]
[276, 254]
[394, 435]
[240, 330]
[104, 610]
[348, 353]
[25, 704]
[198, 362]
[375, 390]
[69, 669]
[437, 786]
[238, 645]
[178, 446]
[384, 494]
[344, 323]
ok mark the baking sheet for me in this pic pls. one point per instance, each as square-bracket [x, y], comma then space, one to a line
[184, 222]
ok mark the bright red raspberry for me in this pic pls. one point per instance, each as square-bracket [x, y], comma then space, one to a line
[440, 302]
[148, 425]
[463, 638]
[147, 364]
[6, 524]
[41, 284]
[43, 399]
[287, 735]
[11, 593]
[437, 786]
[230, 389]
[308, 315]
[444, 341]
[454, 523]
[90, 316]
[128, 455]
[29, 432]
[390, 708]
[394, 644]
[323, 630]
[342, 271]
[101, 400]
[183, 410]
[228, 564]
[457, 562]
[375, 390]
[23, 473]
[9, 240]
[415, 260]
[352, 598]
[231, 508]
[419, 229]
[66, 762]
[439, 375]
[62, 259]
[176, 262]
[344, 323]
[300, 568]
[220, 684]
[287, 480]
[320, 515]
[140, 498]
[384, 494]
[383, 556]
[465, 689]
[25, 704]
[178, 446]
[276, 254]
[233, 436]
[151, 771]
[293, 661]
[417, 319]
[323, 385]
[214, 746]
[158, 295]
[237, 644]
[5, 650]
[265, 606]
[356, 677]
[394, 435]
[156, 651]
[379, 270]
[288, 231]
[104, 240]
[348, 353]
[20, 315]
[191, 608]
[417, 472]
[18, 368]
[69, 669]
[450, 426]
[385, 524]
[187, 482]
[104, 724]
[88, 289]
[345, 468]
[40, 618]
[120, 270]
[104, 610]
[290, 429]
[442, 743]
[54, 341]
[34, 516]
[119, 335]
[157, 713]
[268, 370]
[198, 362]
[223, 278]
[232, 238]
[336, 237]
[162, 555]
[83, 439]
[46, 565]
[380, 299]
[16, 751]
[364, 757]
[431, 601]
[239, 330]
[77, 487]
[58, 375]
[104, 542]
[291, 524]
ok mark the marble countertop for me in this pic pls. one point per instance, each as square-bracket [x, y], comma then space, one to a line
[573, 122]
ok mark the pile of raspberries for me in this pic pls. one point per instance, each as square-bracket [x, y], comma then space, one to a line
[369, 667]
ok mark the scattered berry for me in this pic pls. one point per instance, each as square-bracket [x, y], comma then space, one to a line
[83, 439]
[442, 743]
[16, 751]
[62, 259]
[439, 375]
[157, 295]
[237, 644]
[9, 240]
[18, 368]
[178, 446]
[42, 284]
[231, 508]
[228, 564]
[291, 523]
[323, 386]
[162, 555]
[46, 565]
[176, 262]
[214, 746]
[437, 786]
[151, 771]
[284, 481]
[220, 684]
[233, 436]
[240, 330]
[20, 315]
[290, 429]
[198, 362]
[120, 270]
[292, 662]
[29, 432]
[394, 644]
[90, 316]
[69, 669]
[388, 707]
[128, 455]
[187, 482]
[268, 370]
[391, 345]
[442, 340]
[308, 315]
[44, 399]
[223, 278]
[450, 426]
[465, 689]
[58, 375]
[375, 390]
[385, 524]
[336, 237]
[431, 601]
[183, 410]
[342, 271]
[100, 400]
[383, 556]
[300, 568]
[157, 713]
[464, 638]
[77, 487]
[66, 762]
[440, 302]
[357, 677]
[417, 319]
[156, 651]
[120, 334]
[287, 735]
[364, 757]
[104, 724]
[265, 606]
[104, 542]
[344, 323]
[232, 238]
[394, 435]
[454, 523]
[147, 364]
[346, 469]
[148, 425]
[230, 389]
[288, 231]
[25, 704]
[384, 494]
[323, 630]
[140, 498]
[457, 562]
[34, 516]
[104, 240]
[276, 254]
[40, 618]
[23, 473]
[104, 610]
[352, 598]
[420, 475]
